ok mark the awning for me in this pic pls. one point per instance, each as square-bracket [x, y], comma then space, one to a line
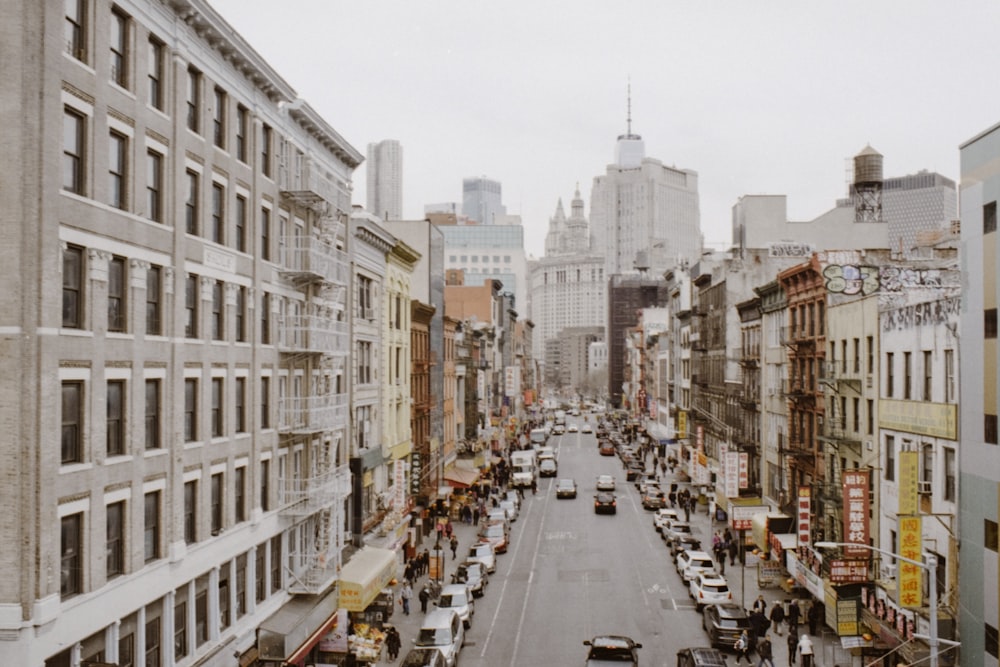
[296, 627]
[365, 575]
[460, 478]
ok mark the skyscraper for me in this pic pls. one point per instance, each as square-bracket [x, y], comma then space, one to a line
[385, 179]
[481, 200]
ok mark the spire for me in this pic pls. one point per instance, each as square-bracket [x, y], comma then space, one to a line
[629, 120]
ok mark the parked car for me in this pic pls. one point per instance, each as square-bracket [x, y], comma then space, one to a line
[700, 657]
[683, 543]
[724, 623]
[514, 498]
[633, 469]
[605, 503]
[709, 587]
[497, 515]
[565, 488]
[605, 483]
[442, 629]
[662, 516]
[548, 468]
[424, 656]
[459, 598]
[644, 479]
[690, 563]
[472, 573]
[510, 507]
[608, 649]
[484, 553]
[652, 498]
[675, 529]
[496, 534]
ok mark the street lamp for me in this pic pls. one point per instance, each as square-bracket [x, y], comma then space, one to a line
[929, 564]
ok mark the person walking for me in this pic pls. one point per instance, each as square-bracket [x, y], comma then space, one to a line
[793, 647]
[392, 643]
[759, 605]
[777, 617]
[424, 596]
[733, 550]
[454, 546]
[765, 652]
[794, 613]
[742, 648]
[534, 487]
[404, 597]
[806, 651]
[812, 617]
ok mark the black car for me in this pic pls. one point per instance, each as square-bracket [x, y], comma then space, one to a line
[605, 503]
[700, 657]
[616, 649]
[724, 623]
[566, 488]
[633, 470]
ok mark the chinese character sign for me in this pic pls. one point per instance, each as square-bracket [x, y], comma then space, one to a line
[732, 474]
[909, 470]
[856, 512]
[909, 576]
[744, 470]
[803, 511]
[682, 424]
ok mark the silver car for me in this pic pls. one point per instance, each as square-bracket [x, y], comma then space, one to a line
[482, 552]
[459, 598]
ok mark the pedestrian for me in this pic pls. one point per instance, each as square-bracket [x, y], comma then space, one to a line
[733, 550]
[454, 546]
[742, 648]
[794, 613]
[424, 597]
[672, 496]
[408, 571]
[765, 652]
[392, 642]
[759, 605]
[425, 561]
[687, 509]
[758, 625]
[813, 616]
[663, 468]
[793, 647]
[449, 529]
[777, 617]
[534, 486]
[475, 515]
[806, 651]
[404, 597]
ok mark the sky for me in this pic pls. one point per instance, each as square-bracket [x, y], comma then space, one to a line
[765, 97]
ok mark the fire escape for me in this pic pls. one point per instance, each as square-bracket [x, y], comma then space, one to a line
[800, 390]
[314, 343]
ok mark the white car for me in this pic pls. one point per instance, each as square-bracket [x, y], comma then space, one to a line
[663, 517]
[709, 588]
[510, 507]
[484, 553]
[675, 530]
[587, 428]
[605, 483]
[459, 598]
[691, 563]
[573, 428]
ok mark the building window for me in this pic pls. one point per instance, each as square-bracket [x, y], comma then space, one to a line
[71, 549]
[190, 507]
[72, 422]
[119, 48]
[364, 362]
[218, 213]
[890, 458]
[870, 417]
[218, 429]
[242, 131]
[949, 376]
[240, 495]
[201, 618]
[907, 375]
[265, 402]
[857, 414]
[115, 539]
[224, 619]
[155, 74]
[927, 391]
[76, 29]
[117, 169]
[191, 300]
[151, 526]
[260, 573]
[191, 203]
[276, 563]
[153, 301]
[870, 346]
[74, 124]
[950, 489]
[366, 304]
[153, 643]
[126, 650]
[241, 223]
[990, 429]
[154, 186]
[265, 486]
[116, 294]
[890, 377]
[265, 150]
[152, 420]
[218, 309]
[193, 99]
[990, 535]
[72, 279]
[116, 418]
[219, 118]
[216, 499]
[241, 585]
[265, 234]
[990, 323]
[241, 314]
[190, 409]
[241, 401]
[991, 640]
[265, 319]
[180, 626]
[989, 217]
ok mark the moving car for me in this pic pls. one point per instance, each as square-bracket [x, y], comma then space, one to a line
[472, 573]
[424, 657]
[690, 563]
[558, 429]
[605, 483]
[459, 598]
[587, 428]
[566, 488]
[700, 657]
[606, 448]
[573, 428]
[709, 587]
[612, 649]
[605, 503]
[495, 534]
[483, 552]
[548, 468]
[724, 623]
[442, 629]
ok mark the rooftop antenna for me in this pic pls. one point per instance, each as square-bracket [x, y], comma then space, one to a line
[629, 129]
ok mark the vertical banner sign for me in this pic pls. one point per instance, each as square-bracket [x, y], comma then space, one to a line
[682, 424]
[732, 474]
[652, 409]
[416, 472]
[744, 470]
[399, 484]
[909, 474]
[856, 512]
[802, 513]
[512, 381]
[909, 576]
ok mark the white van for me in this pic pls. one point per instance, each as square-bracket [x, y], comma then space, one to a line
[443, 629]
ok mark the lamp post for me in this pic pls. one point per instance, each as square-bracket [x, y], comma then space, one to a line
[439, 556]
[930, 564]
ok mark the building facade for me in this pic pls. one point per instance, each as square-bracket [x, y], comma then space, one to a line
[384, 184]
[482, 200]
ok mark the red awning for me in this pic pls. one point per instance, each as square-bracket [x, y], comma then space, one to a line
[460, 478]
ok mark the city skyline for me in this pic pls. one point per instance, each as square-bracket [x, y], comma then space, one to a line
[772, 100]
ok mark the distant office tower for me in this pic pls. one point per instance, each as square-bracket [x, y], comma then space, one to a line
[481, 200]
[385, 179]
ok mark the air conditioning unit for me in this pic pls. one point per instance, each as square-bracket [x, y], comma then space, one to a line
[924, 487]
[888, 571]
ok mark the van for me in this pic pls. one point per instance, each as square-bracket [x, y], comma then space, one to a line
[443, 629]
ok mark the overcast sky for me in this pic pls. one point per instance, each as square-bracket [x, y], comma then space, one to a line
[757, 97]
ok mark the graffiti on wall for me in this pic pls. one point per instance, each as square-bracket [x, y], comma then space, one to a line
[863, 280]
[920, 314]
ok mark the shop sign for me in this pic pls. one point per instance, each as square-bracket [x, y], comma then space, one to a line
[335, 641]
[682, 424]
[803, 512]
[908, 575]
[856, 512]
[847, 617]
[732, 462]
[909, 470]
[741, 516]
[844, 571]
[744, 470]
[416, 472]
[801, 573]
[399, 484]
